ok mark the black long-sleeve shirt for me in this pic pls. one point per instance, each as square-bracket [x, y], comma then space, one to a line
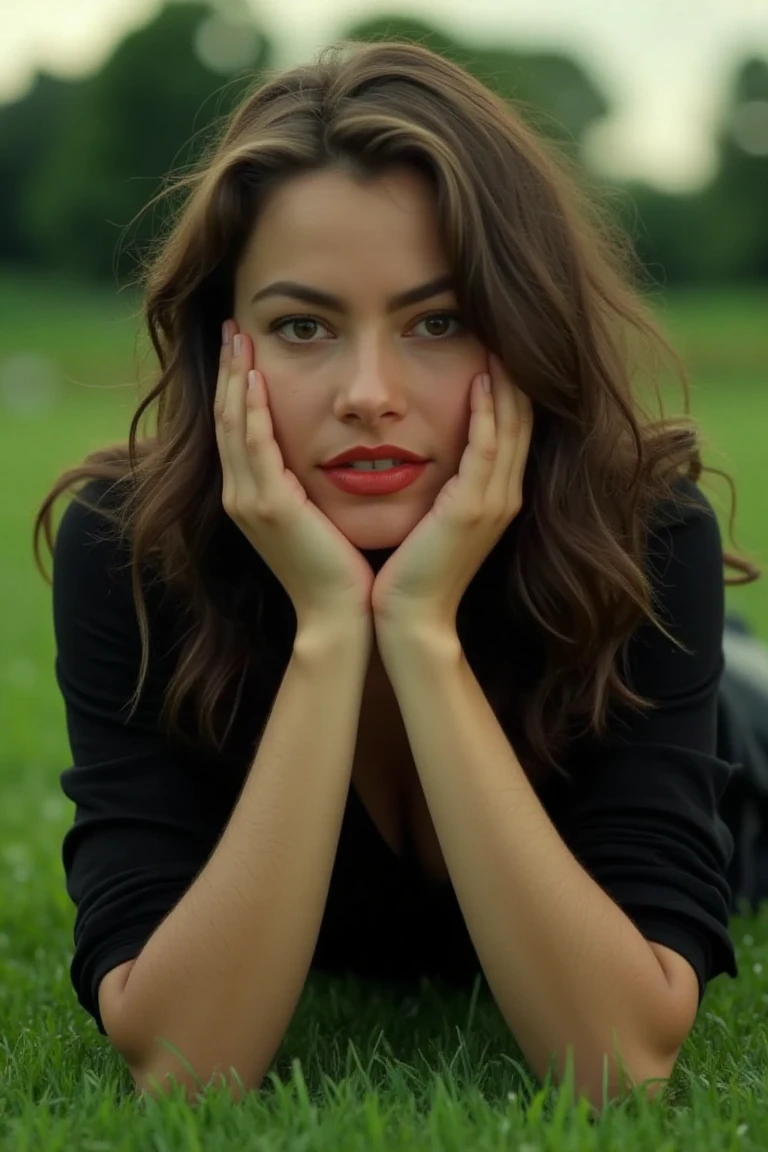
[640, 812]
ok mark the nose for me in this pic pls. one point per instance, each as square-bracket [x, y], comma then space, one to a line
[374, 381]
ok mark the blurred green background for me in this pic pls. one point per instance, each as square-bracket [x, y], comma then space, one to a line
[78, 165]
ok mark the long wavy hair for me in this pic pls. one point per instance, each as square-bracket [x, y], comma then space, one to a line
[546, 279]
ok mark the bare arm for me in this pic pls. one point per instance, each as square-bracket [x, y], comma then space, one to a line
[221, 976]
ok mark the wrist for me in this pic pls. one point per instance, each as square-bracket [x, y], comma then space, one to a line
[327, 636]
[403, 640]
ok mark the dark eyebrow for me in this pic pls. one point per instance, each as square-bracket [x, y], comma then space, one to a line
[335, 303]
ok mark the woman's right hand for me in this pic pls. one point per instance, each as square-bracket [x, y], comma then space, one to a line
[325, 576]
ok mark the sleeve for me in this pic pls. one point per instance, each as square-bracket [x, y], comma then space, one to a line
[143, 825]
[642, 812]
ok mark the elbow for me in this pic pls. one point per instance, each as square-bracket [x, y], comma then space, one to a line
[160, 1080]
[160, 1066]
[164, 1070]
[648, 1076]
[604, 1080]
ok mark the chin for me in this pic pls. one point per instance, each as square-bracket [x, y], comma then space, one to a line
[370, 541]
[375, 531]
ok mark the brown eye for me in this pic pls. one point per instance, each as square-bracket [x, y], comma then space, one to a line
[304, 327]
[436, 324]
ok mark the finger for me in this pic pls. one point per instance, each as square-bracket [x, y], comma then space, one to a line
[225, 356]
[522, 447]
[514, 427]
[476, 464]
[229, 330]
[255, 459]
[487, 422]
[507, 426]
[230, 408]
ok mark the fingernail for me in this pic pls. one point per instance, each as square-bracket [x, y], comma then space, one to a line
[225, 330]
[486, 382]
[237, 344]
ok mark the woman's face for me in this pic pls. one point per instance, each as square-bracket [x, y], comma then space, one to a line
[359, 371]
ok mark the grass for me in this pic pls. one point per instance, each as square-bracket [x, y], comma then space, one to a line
[361, 1065]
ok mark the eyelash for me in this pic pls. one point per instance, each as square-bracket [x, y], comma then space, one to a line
[285, 320]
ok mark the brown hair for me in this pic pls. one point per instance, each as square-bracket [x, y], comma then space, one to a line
[544, 278]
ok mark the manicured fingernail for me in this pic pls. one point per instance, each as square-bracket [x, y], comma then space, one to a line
[237, 344]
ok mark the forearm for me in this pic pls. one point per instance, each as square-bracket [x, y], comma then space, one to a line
[221, 976]
[566, 966]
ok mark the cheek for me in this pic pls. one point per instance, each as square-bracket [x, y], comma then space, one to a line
[459, 435]
[449, 422]
[294, 423]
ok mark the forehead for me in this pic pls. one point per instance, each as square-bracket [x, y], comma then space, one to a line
[329, 221]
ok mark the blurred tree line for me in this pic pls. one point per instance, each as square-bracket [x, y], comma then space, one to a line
[79, 160]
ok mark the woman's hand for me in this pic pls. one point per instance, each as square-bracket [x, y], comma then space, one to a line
[324, 575]
[423, 582]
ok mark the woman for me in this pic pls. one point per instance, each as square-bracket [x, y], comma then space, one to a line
[449, 718]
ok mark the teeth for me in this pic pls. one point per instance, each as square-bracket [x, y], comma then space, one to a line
[373, 465]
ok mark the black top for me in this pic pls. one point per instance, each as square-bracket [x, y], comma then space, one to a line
[640, 812]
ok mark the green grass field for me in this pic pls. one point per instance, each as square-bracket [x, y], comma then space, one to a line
[359, 1067]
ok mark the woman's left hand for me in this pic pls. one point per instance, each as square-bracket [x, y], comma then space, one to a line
[423, 582]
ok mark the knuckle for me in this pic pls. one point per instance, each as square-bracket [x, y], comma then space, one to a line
[473, 512]
[229, 492]
[256, 507]
[266, 511]
[237, 509]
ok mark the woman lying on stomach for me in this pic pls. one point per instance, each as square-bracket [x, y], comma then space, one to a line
[396, 649]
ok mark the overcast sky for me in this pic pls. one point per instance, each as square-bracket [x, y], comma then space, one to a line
[666, 62]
